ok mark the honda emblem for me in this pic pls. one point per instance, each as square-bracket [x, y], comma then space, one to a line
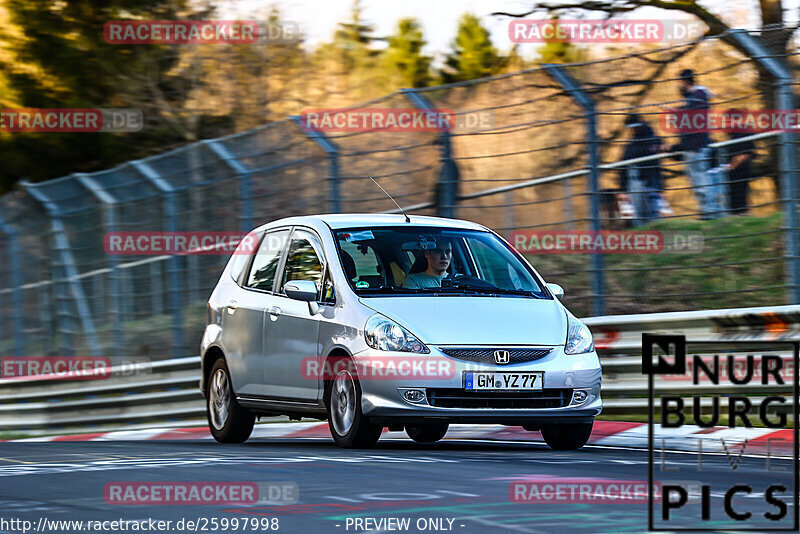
[501, 356]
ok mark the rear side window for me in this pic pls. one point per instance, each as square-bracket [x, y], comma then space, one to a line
[265, 264]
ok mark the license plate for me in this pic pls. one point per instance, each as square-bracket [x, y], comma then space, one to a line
[490, 381]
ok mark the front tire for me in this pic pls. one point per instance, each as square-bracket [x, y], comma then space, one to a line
[427, 432]
[569, 437]
[228, 422]
[349, 427]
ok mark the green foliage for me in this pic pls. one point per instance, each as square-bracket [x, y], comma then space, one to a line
[474, 55]
[54, 56]
[724, 271]
[403, 57]
[352, 41]
[348, 63]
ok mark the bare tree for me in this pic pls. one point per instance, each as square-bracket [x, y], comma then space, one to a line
[771, 14]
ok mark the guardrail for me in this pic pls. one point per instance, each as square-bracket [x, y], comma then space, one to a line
[166, 392]
[146, 392]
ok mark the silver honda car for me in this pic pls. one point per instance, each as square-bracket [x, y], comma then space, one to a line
[375, 321]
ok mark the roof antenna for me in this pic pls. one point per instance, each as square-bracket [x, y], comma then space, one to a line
[393, 200]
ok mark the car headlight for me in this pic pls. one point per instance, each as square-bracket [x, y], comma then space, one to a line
[579, 338]
[384, 334]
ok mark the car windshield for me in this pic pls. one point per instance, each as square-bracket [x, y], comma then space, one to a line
[413, 260]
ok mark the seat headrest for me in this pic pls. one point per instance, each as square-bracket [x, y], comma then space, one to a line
[420, 263]
[349, 265]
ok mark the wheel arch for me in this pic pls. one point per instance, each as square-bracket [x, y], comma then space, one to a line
[336, 352]
[210, 357]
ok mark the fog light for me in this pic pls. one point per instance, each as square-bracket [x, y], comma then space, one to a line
[414, 395]
[579, 396]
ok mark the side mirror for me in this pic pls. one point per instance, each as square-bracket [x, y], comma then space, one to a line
[556, 290]
[303, 290]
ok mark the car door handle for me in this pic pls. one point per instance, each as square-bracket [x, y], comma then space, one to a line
[274, 313]
[232, 307]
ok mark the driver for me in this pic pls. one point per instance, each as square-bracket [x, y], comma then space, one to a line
[439, 260]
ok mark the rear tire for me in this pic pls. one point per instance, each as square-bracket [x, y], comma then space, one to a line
[567, 437]
[228, 422]
[427, 432]
[349, 427]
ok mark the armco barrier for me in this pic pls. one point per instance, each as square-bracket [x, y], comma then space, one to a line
[167, 391]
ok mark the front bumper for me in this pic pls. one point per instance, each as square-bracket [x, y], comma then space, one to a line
[446, 400]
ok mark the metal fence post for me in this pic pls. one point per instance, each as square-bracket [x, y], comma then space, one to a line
[332, 150]
[573, 88]
[787, 154]
[15, 285]
[109, 221]
[173, 264]
[447, 186]
[45, 316]
[245, 182]
[69, 277]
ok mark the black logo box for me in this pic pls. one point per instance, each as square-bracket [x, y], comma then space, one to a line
[678, 366]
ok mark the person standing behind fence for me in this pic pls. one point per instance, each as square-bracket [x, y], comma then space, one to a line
[739, 157]
[694, 145]
[642, 181]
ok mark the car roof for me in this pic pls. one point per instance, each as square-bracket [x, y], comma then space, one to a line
[371, 220]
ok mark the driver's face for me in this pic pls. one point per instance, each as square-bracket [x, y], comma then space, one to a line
[439, 259]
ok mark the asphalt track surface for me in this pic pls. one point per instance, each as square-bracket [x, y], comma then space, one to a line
[461, 484]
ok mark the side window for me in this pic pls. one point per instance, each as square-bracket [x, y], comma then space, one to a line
[491, 265]
[265, 264]
[242, 255]
[497, 269]
[304, 262]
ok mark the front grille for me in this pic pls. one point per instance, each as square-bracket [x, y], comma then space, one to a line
[486, 354]
[458, 398]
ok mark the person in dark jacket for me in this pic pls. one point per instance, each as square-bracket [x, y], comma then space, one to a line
[642, 181]
[739, 158]
[694, 144]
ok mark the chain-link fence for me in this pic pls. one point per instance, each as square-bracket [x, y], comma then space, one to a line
[537, 152]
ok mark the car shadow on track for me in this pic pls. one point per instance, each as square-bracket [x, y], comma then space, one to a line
[452, 445]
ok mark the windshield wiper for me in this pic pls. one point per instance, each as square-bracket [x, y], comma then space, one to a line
[476, 290]
[450, 290]
[524, 292]
[385, 289]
